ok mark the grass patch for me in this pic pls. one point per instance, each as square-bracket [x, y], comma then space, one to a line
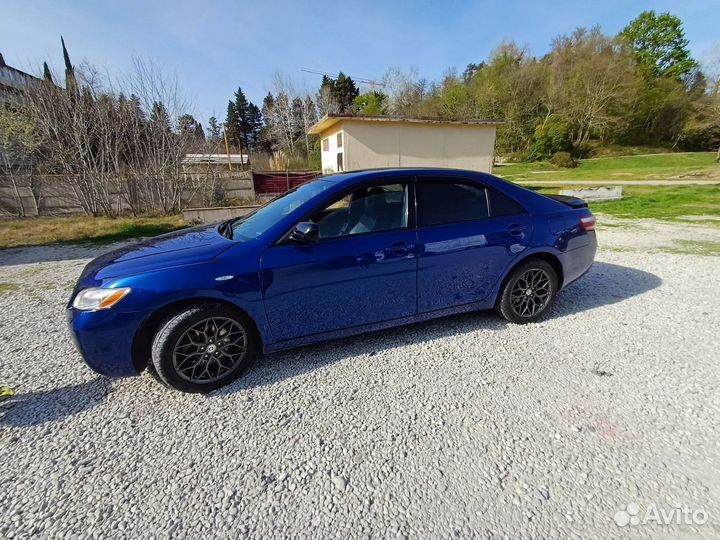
[661, 202]
[677, 166]
[657, 202]
[79, 229]
[8, 287]
[696, 247]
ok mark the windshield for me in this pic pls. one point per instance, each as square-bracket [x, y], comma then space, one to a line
[255, 224]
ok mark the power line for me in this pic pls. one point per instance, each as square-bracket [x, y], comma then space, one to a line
[361, 80]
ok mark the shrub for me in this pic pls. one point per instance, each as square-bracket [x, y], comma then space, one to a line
[554, 135]
[700, 138]
[563, 159]
[519, 156]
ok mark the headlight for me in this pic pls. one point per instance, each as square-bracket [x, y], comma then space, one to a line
[98, 298]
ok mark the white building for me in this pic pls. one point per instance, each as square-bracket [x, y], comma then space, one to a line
[351, 143]
[13, 82]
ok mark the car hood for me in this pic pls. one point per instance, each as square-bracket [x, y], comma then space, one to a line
[186, 246]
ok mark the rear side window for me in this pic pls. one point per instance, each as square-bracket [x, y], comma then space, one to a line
[502, 205]
[447, 202]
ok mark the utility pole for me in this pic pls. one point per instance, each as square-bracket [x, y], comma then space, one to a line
[227, 149]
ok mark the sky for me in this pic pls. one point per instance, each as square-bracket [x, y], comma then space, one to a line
[212, 47]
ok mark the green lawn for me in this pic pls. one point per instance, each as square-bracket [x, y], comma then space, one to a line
[676, 166]
[54, 230]
[658, 202]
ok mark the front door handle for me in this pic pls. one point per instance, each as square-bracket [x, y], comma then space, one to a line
[401, 248]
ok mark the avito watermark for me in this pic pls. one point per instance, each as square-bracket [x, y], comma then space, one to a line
[633, 514]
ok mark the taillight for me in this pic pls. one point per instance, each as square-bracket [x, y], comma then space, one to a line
[587, 223]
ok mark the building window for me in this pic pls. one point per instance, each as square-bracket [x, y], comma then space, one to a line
[339, 161]
[339, 140]
[326, 145]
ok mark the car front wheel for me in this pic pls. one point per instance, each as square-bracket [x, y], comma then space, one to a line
[204, 348]
[529, 292]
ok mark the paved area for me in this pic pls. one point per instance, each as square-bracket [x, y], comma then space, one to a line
[586, 425]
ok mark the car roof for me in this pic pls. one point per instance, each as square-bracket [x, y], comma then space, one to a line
[349, 178]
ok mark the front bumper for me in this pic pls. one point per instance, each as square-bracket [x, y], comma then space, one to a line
[104, 338]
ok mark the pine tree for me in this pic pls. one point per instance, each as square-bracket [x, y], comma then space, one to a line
[232, 124]
[214, 131]
[244, 121]
[345, 91]
[47, 76]
[70, 80]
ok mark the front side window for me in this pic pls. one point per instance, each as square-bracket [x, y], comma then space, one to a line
[366, 210]
[255, 224]
[449, 202]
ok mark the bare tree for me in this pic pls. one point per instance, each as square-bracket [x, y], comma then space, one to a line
[18, 144]
[117, 147]
[592, 81]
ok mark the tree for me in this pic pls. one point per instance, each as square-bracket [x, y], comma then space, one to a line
[373, 103]
[47, 76]
[337, 95]
[345, 91]
[659, 45]
[71, 84]
[591, 82]
[406, 92]
[244, 121]
[19, 142]
[511, 87]
[214, 131]
[232, 124]
[471, 70]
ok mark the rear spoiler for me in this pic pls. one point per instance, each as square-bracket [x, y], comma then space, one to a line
[572, 202]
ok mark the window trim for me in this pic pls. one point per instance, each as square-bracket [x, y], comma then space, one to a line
[411, 218]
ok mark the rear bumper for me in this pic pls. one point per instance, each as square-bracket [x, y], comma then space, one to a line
[578, 261]
[105, 339]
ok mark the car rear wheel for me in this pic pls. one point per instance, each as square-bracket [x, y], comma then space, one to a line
[529, 292]
[204, 348]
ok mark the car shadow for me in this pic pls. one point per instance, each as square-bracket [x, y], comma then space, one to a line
[603, 285]
[35, 408]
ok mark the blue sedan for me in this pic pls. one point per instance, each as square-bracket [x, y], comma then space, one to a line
[340, 255]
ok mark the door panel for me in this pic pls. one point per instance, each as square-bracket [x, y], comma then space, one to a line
[459, 263]
[339, 283]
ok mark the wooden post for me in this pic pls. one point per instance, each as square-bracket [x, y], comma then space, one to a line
[227, 149]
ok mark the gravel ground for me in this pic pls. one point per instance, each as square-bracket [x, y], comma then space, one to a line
[463, 427]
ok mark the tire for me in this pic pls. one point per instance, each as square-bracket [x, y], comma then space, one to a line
[204, 348]
[513, 307]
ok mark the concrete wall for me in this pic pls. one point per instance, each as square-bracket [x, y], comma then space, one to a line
[52, 196]
[369, 144]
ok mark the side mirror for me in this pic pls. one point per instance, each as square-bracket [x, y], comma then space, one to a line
[305, 232]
